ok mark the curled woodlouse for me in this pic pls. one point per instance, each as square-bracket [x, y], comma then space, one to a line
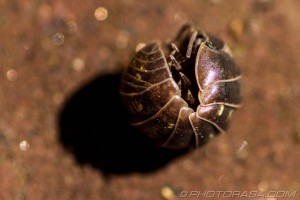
[182, 92]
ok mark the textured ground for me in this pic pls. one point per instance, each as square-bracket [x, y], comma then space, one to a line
[59, 66]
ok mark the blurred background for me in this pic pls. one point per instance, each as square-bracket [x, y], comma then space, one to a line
[63, 133]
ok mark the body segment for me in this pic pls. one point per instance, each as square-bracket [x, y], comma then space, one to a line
[182, 93]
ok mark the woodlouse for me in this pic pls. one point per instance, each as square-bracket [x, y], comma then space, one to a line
[182, 92]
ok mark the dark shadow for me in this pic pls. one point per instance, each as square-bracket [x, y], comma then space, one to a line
[93, 126]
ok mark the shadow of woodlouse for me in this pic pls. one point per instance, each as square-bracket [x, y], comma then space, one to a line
[93, 126]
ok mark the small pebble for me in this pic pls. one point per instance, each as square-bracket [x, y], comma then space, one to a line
[24, 145]
[58, 39]
[11, 75]
[101, 14]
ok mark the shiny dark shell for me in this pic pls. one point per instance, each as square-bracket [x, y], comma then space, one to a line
[183, 92]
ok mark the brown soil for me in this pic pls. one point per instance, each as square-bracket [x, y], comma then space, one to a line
[59, 74]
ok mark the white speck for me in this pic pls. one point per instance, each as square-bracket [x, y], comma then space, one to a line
[263, 186]
[11, 75]
[244, 144]
[78, 64]
[168, 193]
[220, 111]
[101, 14]
[139, 46]
[24, 145]
[242, 152]
[58, 39]
[72, 26]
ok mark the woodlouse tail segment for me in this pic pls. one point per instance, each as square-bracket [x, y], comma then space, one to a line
[190, 131]
[160, 125]
[203, 130]
[183, 135]
[217, 114]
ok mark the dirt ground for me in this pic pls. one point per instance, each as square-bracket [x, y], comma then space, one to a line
[59, 74]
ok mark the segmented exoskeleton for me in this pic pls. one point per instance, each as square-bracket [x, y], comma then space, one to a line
[183, 92]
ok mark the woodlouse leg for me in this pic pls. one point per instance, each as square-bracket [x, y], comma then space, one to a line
[193, 38]
[185, 84]
[175, 63]
[176, 58]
